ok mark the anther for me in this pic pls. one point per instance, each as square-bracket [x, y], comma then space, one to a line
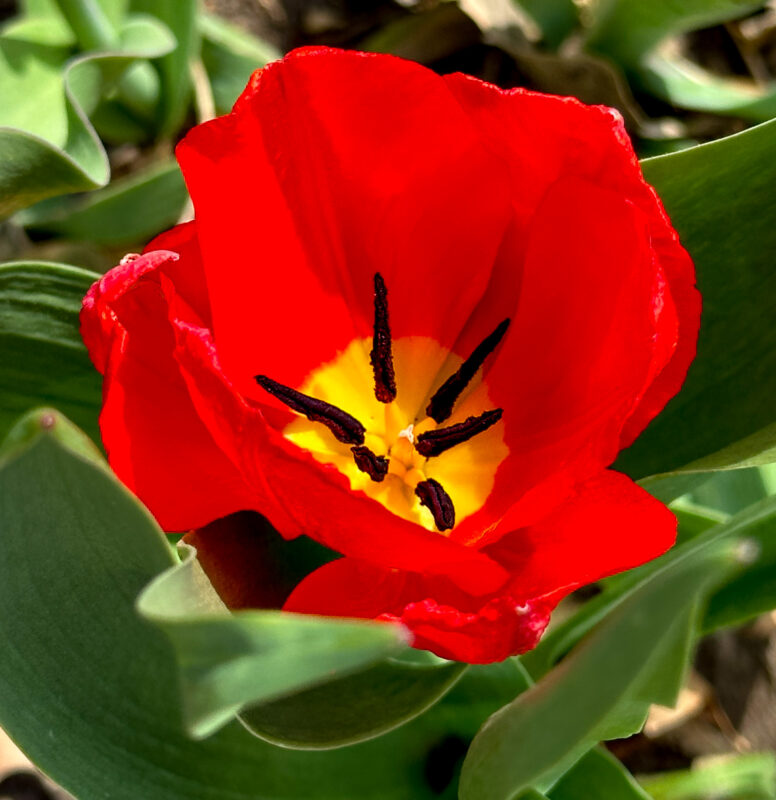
[438, 502]
[441, 404]
[432, 443]
[382, 355]
[375, 466]
[345, 427]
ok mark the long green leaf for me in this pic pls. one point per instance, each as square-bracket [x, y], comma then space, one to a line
[180, 17]
[733, 777]
[720, 198]
[89, 690]
[354, 708]
[43, 358]
[230, 661]
[230, 55]
[130, 210]
[598, 691]
[628, 29]
[756, 524]
[637, 35]
[598, 775]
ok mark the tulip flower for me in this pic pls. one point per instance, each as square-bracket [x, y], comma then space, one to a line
[415, 319]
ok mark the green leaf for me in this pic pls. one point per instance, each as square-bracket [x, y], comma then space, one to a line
[563, 636]
[93, 28]
[556, 18]
[639, 36]
[353, 708]
[673, 485]
[628, 29]
[729, 777]
[719, 197]
[130, 210]
[439, 32]
[45, 359]
[88, 689]
[180, 16]
[230, 56]
[598, 775]
[229, 661]
[600, 690]
[694, 520]
[753, 591]
[47, 144]
[730, 491]
[748, 592]
[684, 84]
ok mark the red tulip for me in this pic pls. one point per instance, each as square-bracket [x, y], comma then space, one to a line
[415, 319]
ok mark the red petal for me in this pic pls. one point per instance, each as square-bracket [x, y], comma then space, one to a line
[300, 495]
[187, 274]
[155, 441]
[332, 167]
[608, 526]
[682, 314]
[469, 631]
[348, 587]
[579, 352]
[540, 138]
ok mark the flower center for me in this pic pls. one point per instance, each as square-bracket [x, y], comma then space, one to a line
[426, 448]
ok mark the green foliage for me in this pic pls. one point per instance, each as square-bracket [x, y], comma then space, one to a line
[628, 29]
[379, 699]
[633, 34]
[124, 676]
[89, 690]
[598, 776]
[718, 196]
[47, 144]
[230, 56]
[744, 777]
[231, 661]
[755, 524]
[128, 211]
[44, 359]
[556, 18]
[629, 661]
[174, 67]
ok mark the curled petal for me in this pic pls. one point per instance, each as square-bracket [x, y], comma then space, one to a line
[154, 438]
[458, 626]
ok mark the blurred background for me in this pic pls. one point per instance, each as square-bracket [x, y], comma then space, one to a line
[94, 94]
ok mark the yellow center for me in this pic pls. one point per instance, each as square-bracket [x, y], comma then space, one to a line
[466, 471]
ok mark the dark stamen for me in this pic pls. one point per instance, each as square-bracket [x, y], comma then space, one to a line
[344, 427]
[381, 355]
[375, 466]
[441, 405]
[432, 443]
[438, 502]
